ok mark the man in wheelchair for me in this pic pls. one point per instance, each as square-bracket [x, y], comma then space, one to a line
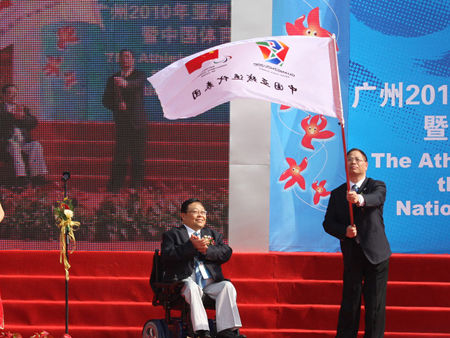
[194, 254]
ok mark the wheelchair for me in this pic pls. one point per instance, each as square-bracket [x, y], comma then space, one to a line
[167, 295]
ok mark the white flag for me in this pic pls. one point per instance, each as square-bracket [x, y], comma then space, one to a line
[296, 71]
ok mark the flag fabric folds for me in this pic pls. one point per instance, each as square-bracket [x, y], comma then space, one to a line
[295, 71]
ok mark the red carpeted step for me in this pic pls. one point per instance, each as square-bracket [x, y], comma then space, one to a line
[98, 183]
[300, 291]
[110, 289]
[216, 151]
[325, 266]
[88, 313]
[317, 317]
[84, 263]
[419, 294]
[174, 151]
[52, 288]
[157, 131]
[308, 265]
[155, 167]
[285, 333]
[80, 331]
[280, 316]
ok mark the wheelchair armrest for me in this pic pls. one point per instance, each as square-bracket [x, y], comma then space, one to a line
[168, 292]
[169, 286]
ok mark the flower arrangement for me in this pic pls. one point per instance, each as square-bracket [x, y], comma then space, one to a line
[64, 210]
[63, 216]
[210, 240]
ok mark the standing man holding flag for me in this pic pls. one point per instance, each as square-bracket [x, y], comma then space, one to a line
[365, 248]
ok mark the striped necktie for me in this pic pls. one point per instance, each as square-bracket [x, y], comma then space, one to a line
[199, 279]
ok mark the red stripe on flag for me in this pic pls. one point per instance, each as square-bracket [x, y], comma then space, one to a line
[194, 64]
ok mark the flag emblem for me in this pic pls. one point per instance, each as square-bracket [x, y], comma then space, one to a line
[196, 63]
[273, 51]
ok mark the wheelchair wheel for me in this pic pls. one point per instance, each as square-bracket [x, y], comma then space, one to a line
[155, 328]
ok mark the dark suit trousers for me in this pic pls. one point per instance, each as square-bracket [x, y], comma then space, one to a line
[356, 270]
[130, 143]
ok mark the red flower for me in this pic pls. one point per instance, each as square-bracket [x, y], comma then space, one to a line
[320, 191]
[67, 35]
[52, 68]
[313, 129]
[70, 79]
[294, 173]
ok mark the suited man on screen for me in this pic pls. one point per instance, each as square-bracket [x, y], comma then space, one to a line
[364, 245]
[194, 254]
[124, 96]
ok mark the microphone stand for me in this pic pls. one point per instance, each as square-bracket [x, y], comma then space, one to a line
[65, 178]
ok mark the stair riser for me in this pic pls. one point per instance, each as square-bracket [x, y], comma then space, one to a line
[295, 292]
[99, 131]
[163, 169]
[269, 317]
[314, 266]
[55, 149]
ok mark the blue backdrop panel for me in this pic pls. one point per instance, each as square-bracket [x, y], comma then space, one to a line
[400, 67]
[297, 209]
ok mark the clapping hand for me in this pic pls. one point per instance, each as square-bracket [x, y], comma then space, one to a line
[200, 244]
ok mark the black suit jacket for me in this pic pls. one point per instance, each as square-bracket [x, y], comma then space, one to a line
[133, 95]
[178, 253]
[368, 220]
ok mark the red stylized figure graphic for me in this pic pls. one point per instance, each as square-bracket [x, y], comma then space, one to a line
[320, 191]
[313, 129]
[313, 29]
[53, 65]
[70, 79]
[66, 35]
[294, 173]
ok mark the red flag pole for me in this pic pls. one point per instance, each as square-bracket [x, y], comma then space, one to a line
[346, 172]
[338, 102]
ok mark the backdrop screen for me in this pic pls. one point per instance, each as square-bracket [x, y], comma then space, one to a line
[59, 55]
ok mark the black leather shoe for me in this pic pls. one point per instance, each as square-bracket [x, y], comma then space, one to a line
[202, 334]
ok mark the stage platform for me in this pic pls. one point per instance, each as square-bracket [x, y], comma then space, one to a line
[279, 294]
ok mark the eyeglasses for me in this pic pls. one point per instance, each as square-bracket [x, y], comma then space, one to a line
[197, 212]
[356, 159]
